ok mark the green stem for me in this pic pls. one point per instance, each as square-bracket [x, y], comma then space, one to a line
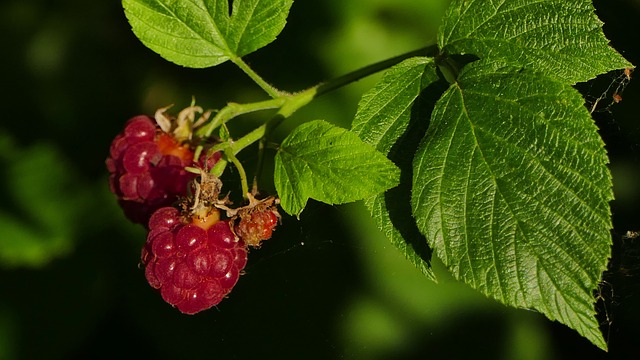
[268, 88]
[232, 110]
[235, 147]
[219, 167]
[429, 51]
[245, 141]
[243, 175]
[287, 105]
[296, 101]
[259, 166]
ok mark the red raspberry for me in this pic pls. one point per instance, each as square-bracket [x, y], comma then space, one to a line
[194, 265]
[257, 221]
[146, 168]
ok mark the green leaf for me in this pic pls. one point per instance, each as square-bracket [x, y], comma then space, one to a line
[384, 120]
[324, 162]
[560, 38]
[202, 33]
[511, 190]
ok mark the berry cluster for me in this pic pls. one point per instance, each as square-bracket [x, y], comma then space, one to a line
[192, 256]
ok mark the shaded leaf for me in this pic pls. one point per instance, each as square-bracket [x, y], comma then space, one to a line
[383, 120]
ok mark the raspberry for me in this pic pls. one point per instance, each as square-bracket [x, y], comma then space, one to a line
[257, 221]
[147, 168]
[193, 264]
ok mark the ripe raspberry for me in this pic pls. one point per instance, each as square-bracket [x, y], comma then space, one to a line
[146, 167]
[194, 265]
[257, 221]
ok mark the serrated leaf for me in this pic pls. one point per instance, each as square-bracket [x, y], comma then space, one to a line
[560, 38]
[382, 119]
[203, 33]
[324, 162]
[511, 189]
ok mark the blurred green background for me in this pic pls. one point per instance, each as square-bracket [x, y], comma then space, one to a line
[326, 286]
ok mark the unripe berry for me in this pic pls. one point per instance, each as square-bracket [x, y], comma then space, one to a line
[257, 221]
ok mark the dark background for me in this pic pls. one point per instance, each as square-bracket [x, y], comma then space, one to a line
[327, 285]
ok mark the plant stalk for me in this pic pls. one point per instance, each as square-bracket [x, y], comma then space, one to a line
[429, 51]
[289, 103]
[268, 88]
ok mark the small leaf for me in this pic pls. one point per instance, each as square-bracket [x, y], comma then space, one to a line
[202, 33]
[511, 189]
[560, 38]
[324, 162]
[384, 120]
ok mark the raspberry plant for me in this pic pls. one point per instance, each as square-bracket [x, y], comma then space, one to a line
[505, 178]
